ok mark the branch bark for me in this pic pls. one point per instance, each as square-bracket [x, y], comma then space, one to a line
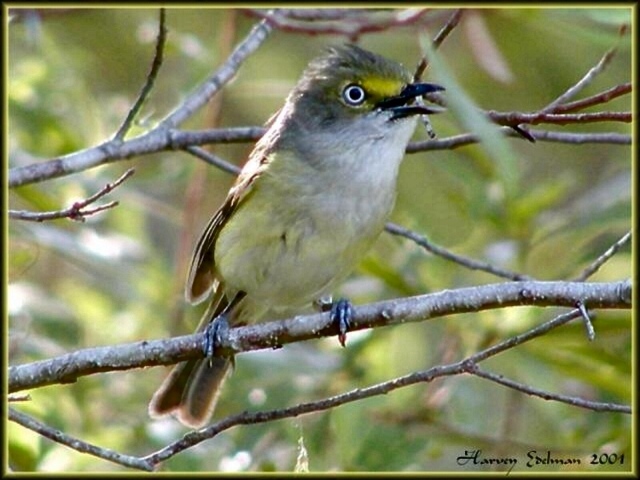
[68, 368]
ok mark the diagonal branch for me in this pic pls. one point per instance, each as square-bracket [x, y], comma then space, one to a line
[470, 263]
[587, 78]
[78, 211]
[574, 401]
[437, 41]
[77, 444]
[223, 75]
[602, 97]
[602, 259]
[148, 84]
[156, 139]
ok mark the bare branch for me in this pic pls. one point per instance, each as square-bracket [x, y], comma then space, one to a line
[68, 368]
[76, 444]
[315, 14]
[213, 159]
[588, 323]
[571, 138]
[586, 80]
[155, 140]
[148, 84]
[467, 365]
[574, 401]
[222, 76]
[535, 118]
[575, 138]
[602, 259]
[602, 97]
[437, 41]
[164, 136]
[78, 211]
[444, 253]
[350, 24]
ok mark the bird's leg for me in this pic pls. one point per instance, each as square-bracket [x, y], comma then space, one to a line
[214, 332]
[218, 327]
[341, 313]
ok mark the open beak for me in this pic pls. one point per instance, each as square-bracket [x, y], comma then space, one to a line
[401, 105]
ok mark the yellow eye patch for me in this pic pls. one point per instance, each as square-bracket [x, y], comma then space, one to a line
[381, 87]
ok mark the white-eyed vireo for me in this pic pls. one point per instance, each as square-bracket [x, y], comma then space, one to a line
[312, 198]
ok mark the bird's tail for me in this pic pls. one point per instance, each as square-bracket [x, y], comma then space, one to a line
[191, 390]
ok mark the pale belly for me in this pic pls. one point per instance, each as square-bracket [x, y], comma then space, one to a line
[288, 258]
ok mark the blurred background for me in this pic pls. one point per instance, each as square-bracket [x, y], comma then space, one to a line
[73, 74]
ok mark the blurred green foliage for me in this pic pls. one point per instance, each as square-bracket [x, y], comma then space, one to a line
[544, 209]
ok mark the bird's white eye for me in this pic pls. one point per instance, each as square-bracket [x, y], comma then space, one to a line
[354, 95]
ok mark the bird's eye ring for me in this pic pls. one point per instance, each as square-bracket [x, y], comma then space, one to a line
[354, 95]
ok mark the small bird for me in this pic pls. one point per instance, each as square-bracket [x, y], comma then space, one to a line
[312, 198]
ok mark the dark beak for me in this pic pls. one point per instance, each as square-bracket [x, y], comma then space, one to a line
[400, 104]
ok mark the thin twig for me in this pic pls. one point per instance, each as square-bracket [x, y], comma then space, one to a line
[571, 138]
[350, 25]
[150, 80]
[221, 77]
[584, 81]
[602, 259]
[315, 14]
[437, 41]
[78, 211]
[578, 138]
[535, 118]
[166, 137]
[602, 97]
[524, 337]
[157, 139]
[459, 259]
[213, 159]
[557, 397]
[77, 444]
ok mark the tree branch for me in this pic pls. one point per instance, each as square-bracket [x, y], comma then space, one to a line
[349, 24]
[602, 259]
[440, 37]
[602, 97]
[149, 82]
[166, 137]
[223, 75]
[466, 262]
[536, 118]
[156, 139]
[78, 211]
[68, 368]
[467, 365]
[521, 387]
[587, 78]
[213, 159]
[77, 444]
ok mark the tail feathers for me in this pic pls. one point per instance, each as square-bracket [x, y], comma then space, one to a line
[191, 391]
